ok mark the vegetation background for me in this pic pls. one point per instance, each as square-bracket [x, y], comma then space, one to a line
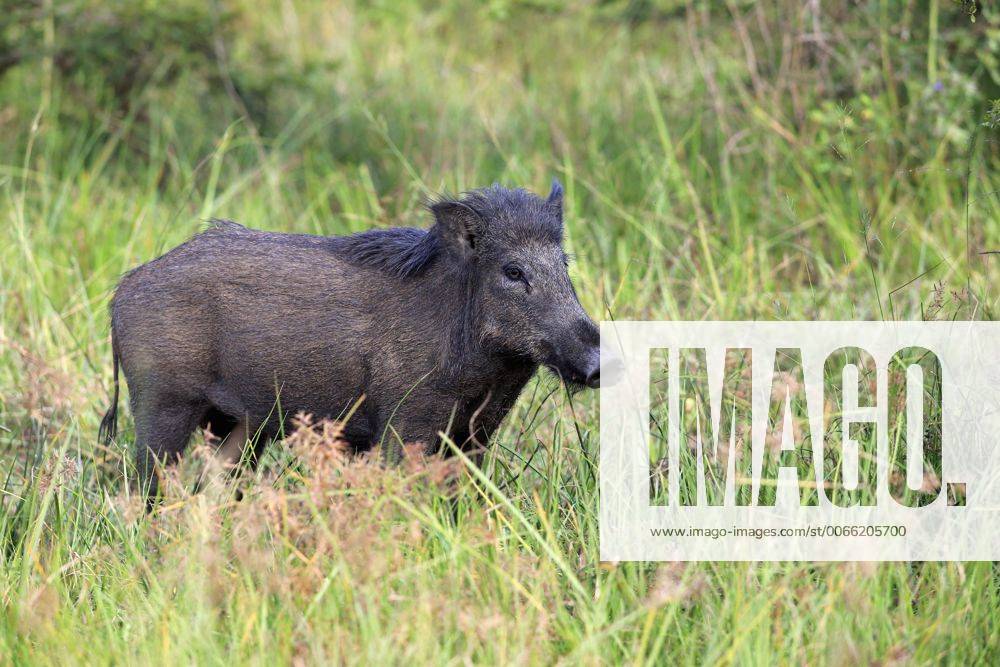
[722, 160]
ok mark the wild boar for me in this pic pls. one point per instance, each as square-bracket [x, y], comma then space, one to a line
[433, 330]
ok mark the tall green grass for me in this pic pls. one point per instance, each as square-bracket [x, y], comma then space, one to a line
[721, 161]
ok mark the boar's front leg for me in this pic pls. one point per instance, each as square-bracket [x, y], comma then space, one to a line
[416, 420]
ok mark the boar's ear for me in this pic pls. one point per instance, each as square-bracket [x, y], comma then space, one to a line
[555, 199]
[458, 225]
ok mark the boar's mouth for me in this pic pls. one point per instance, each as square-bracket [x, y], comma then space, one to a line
[582, 370]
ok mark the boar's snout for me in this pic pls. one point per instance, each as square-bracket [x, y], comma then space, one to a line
[578, 358]
[579, 361]
[613, 369]
[592, 377]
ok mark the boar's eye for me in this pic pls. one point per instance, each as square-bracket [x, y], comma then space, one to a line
[513, 272]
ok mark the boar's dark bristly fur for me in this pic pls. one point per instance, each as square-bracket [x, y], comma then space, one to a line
[432, 330]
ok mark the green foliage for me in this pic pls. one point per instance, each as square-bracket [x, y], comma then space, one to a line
[112, 52]
[992, 120]
[120, 44]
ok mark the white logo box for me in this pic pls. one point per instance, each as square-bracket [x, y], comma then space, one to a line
[634, 529]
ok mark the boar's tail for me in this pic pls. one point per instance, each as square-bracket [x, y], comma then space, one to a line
[109, 423]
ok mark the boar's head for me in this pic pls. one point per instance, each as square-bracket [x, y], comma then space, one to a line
[521, 301]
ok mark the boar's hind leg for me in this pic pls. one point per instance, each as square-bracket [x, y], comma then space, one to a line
[235, 451]
[162, 429]
[243, 446]
[231, 457]
[230, 452]
[231, 434]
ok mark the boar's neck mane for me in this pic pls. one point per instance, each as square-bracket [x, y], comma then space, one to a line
[402, 252]
[408, 253]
